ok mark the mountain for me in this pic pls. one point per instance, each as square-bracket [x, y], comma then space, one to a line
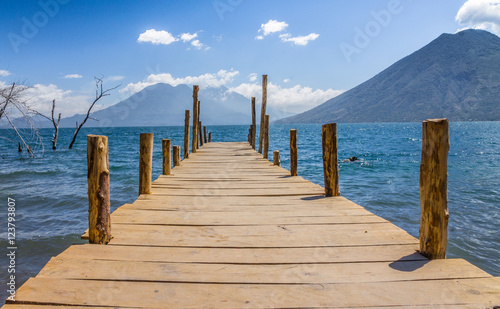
[456, 76]
[165, 105]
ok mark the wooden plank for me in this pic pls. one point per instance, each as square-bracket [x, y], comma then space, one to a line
[138, 216]
[261, 236]
[484, 291]
[387, 253]
[71, 268]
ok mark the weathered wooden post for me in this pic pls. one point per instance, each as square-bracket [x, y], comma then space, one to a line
[263, 111]
[166, 156]
[209, 137]
[98, 189]
[177, 155]
[205, 134]
[330, 159]
[276, 158]
[249, 135]
[254, 124]
[186, 134]
[194, 144]
[145, 163]
[434, 188]
[200, 142]
[200, 135]
[266, 136]
[293, 152]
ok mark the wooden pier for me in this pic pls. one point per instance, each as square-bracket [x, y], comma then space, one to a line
[229, 229]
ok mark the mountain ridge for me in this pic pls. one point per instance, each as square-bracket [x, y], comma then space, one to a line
[456, 76]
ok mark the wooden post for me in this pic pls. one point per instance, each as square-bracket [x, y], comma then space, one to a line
[177, 155]
[200, 135]
[249, 135]
[263, 111]
[209, 137]
[293, 152]
[330, 159]
[186, 134]
[276, 158]
[98, 190]
[266, 136]
[200, 142]
[434, 188]
[166, 156]
[194, 144]
[254, 124]
[145, 163]
[205, 134]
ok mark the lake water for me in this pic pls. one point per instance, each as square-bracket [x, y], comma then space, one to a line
[51, 192]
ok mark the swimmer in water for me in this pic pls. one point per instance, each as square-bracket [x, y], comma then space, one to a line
[351, 159]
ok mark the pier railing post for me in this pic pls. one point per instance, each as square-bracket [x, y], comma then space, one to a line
[200, 135]
[205, 134]
[293, 152]
[166, 156]
[186, 134]
[177, 155]
[330, 159]
[433, 188]
[263, 111]
[209, 137]
[266, 136]
[145, 163]
[254, 124]
[194, 142]
[276, 158]
[98, 189]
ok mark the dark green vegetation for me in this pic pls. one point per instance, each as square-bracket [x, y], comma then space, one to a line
[456, 76]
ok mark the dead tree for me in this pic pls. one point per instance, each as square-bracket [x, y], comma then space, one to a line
[99, 93]
[54, 122]
[13, 104]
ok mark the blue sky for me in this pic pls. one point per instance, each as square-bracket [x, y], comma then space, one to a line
[311, 50]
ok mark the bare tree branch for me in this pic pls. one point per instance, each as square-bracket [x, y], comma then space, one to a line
[99, 93]
[13, 103]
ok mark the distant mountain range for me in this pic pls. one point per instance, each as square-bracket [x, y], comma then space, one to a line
[456, 76]
[165, 105]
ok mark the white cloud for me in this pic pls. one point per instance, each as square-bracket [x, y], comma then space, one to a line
[197, 44]
[295, 99]
[115, 78]
[252, 77]
[480, 14]
[71, 76]
[272, 26]
[4, 73]
[67, 103]
[157, 37]
[286, 80]
[186, 37]
[218, 79]
[299, 40]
